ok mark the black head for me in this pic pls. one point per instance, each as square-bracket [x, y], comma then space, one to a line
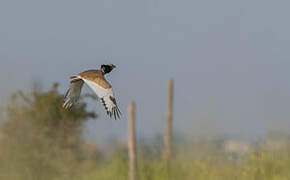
[107, 68]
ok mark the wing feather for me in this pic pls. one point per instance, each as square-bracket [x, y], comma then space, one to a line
[107, 98]
[72, 95]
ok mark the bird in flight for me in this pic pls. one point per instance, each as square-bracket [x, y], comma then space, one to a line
[96, 81]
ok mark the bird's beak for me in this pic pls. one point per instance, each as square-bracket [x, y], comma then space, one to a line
[112, 65]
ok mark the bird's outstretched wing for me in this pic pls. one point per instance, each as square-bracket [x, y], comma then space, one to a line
[105, 93]
[73, 93]
[96, 81]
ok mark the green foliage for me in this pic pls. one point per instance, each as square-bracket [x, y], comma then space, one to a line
[113, 168]
[40, 140]
[195, 161]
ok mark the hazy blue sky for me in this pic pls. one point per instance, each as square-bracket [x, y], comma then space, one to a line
[230, 59]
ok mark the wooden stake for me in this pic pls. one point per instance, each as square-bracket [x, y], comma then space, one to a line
[168, 135]
[131, 142]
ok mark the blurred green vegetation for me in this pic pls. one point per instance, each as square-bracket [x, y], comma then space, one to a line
[40, 140]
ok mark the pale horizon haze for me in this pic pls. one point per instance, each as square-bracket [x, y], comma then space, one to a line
[229, 60]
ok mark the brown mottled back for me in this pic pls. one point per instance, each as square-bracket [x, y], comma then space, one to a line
[97, 77]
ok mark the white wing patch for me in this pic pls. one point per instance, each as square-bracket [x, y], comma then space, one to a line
[100, 91]
[73, 93]
[111, 106]
[107, 98]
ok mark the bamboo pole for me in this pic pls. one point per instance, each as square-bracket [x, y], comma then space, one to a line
[168, 135]
[131, 142]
